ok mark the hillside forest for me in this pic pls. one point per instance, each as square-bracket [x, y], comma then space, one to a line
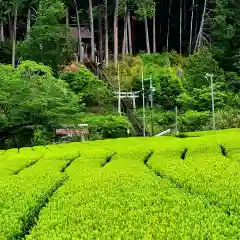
[62, 62]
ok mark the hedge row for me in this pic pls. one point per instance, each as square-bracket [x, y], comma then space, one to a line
[210, 170]
[187, 189]
[126, 200]
[23, 195]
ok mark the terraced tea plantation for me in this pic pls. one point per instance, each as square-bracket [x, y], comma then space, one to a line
[139, 188]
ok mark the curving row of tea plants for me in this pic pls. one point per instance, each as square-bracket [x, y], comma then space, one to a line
[152, 188]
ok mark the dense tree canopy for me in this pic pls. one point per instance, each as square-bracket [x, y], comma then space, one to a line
[31, 96]
[119, 41]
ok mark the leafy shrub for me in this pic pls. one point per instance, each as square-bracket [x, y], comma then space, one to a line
[33, 99]
[193, 120]
[5, 52]
[176, 59]
[199, 99]
[224, 118]
[90, 90]
[31, 68]
[40, 137]
[162, 120]
[156, 59]
[167, 84]
[227, 118]
[233, 81]
[197, 66]
[129, 70]
[49, 42]
[121, 194]
[111, 126]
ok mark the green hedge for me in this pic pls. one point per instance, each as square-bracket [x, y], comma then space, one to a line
[191, 120]
[111, 126]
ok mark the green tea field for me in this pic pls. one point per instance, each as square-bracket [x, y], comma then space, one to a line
[134, 188]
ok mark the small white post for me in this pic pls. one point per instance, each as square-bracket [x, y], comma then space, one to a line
[82, 54]
[213, 107]
[119, 93]
[134, 102]
[143, 103]
[176, 116]
[151, 96]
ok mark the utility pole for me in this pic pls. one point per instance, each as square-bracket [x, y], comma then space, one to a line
[119, 93]
[180, 74]
[213, 107]
[152, 90]
[143, 103]
[212, 95]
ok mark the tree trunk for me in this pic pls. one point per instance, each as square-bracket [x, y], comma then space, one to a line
[191, 28]
[196, 21]
[115, 26]
[126, 40]
[124, 46]
[199, 41]
[129, 32]
[2, 38]
[147, 35]
[133, 34]
[28, 22]
[169, 17]
[180, 39]
[14, 37]
[154, 34]
[100, 36]
[185, 15]
[10, 27]
[126, 43]
[106, 30]
[92, 31]
[80, 55]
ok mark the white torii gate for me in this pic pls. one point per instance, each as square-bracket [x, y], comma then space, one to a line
[131, 95]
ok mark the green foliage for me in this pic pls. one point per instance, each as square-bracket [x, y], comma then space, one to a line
[233, 81]
[5, 52]
[162, 69]
[228, 118]
[156, 59]
[225, 34]
[40, 137]
[30, 98]
[49, 41]
[170, 87]
[90, 90]
[30, 68]
[162, 119]
[144, 8]
[110, 126]
[129, 70]
[196, 68]
[20, 159]
[23, 195]
[107, 196]
[191, 120]
[176, 59]
[194, 121]
[197, 95]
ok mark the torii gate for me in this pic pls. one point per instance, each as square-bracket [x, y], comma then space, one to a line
[131, 95]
